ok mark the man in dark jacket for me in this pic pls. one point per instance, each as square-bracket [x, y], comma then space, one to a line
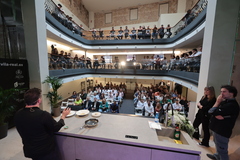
[95, 105]
[224, 115]
[37, 127]
[87, 104]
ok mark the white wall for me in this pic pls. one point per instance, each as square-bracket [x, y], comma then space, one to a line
[130, 26]
[91, 19]
[172, 19]
[181, 8]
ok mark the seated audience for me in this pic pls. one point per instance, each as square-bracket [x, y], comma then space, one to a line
[114, 107]
[148, 108]
[84, 95]
[177, 106]
[103, 106]
[140, 35]
[101, 35]
[112, 33]
[140, 105]
[95, 105]
[87, 103]
[89, 63]
[133, 34]
[96, 63]
[120, 33]
[74, 95]
[148, 33]
[143, 32]
[154, 32]
[78, 101]
[126, 32]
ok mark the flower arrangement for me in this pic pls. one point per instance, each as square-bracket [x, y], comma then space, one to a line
[180, 120]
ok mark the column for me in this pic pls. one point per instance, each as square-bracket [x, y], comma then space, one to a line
[36, 46]
[218, 44]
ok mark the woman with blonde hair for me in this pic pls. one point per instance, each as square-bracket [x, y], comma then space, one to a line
[202, 116]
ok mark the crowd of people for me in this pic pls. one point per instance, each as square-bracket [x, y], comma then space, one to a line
[58, 13]
[141, 32]
[218, 115]
[189, 61]
[156, 100]
[101, 98]
[37, 127]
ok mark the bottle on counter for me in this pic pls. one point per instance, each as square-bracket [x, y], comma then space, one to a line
[177, 133]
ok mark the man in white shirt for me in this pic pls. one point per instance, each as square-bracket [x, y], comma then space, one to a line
[140, 105]
[167, 106]
[149, 110]
[177, 106]
[95, 95]
[121, 94]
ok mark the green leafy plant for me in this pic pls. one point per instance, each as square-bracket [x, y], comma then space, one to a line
[53, 95]
[183, 123]
[8, 99]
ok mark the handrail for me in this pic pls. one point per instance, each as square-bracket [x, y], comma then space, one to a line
[188, 29]
[200, 6]
[197, 9]
[190, 77]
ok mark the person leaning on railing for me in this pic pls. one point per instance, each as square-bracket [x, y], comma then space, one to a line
[148, 33]
[154, 32]
[161, 32]
[126, 32]
[139, 32]
[101, 35]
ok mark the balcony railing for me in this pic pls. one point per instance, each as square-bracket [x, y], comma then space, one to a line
[180, 30]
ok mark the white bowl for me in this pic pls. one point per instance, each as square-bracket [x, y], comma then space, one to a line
[82, 112]
[96, 114]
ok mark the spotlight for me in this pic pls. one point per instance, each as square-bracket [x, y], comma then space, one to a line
[123, 63]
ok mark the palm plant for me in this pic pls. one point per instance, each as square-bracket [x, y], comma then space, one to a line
[8, 99]
[53, 95]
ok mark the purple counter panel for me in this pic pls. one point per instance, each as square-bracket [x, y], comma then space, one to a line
[93, 150]
[166, 155]
[66, 147]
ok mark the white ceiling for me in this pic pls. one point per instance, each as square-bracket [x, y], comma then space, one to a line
[108, 5]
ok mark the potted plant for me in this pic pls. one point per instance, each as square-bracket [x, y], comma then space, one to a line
[7, 107]
[53, 95]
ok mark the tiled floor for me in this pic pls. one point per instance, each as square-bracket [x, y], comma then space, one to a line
[11, 147]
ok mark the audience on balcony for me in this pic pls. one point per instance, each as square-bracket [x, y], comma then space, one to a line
[101, 34]
[120, 33]
[168, 32]
[142, 32]
[161, 32]
[126, 32]
[188, 61]
[133, 34]
[154, 32]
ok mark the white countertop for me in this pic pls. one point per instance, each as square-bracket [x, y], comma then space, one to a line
[116, 126]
